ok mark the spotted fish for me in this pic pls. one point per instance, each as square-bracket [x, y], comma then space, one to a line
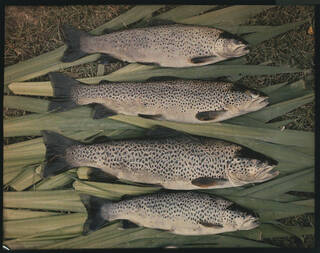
[189, 101]
[185, 213]
[166, 45]
[178, 162]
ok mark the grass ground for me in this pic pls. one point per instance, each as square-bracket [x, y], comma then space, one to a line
[32, 31]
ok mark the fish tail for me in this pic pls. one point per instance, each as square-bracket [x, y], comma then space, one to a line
[73, 38]
[97, 209]
[56, 146]
[62, 86]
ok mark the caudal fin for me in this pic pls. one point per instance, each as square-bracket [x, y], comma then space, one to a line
[56, 146]
[62, 86]
[97, 209]
[73, 38]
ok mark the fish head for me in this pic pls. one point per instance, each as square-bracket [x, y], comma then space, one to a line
[241, 218]
[249, 166]
[230, 46]
[245, 100]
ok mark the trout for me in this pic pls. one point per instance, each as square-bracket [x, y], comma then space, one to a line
[185, 213]
[188, 101]
[178, 162]
[166, 45]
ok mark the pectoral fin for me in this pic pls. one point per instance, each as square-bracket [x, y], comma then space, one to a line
[128, 224]
[205, 182]
[100, 111]
[209, 115]
[107, 59]
[210, 225]
[147, 116]
[203, 59]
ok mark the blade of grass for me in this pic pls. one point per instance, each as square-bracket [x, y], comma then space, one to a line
[80, 117]
[271, 210]
[26, 103]
[56, 200]
[223, 130]
[109, 190]
[138, 72]
[17, 228]
[276, 110]
[25, 179]
[14, 244]
[289, 91]
[271, 32]
[16, 214]
[81, 241]
[272, 88]
[233, 15]
[265, 231]
[280, 185]
[55, 182]
[184, 11]
[141, 239]
[9, 175]
[280, 124]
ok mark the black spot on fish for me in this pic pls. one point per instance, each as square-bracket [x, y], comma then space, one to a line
[249, 153]
[227, 35]
[237, 208]
[242, 88]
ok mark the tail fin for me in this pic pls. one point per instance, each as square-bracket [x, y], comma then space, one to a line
[97, 209]
[73, 37]
[56, 145]
[62, 86]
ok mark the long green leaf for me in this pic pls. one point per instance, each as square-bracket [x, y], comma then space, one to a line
[26, 103]
[82, 241]
[184, 11]
[138, 72]
[16, 214]
[55, 182]
[277, 186]
[64, 121]
[223, 130]
[271, 32]
[112, 191]
[20, 244]
[265, 231]
[233, 15]
[282, 108]
[25, 179]
[17, 228]
[59, 200]
[271, 210]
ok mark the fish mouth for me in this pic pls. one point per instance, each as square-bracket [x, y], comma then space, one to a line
[259, 102]
[267, 173]
[242, 50]
[250, 223]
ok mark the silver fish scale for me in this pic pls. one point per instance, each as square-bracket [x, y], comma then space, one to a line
[158, 161]
[189, 41]
[180, 95]
[191, 207]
